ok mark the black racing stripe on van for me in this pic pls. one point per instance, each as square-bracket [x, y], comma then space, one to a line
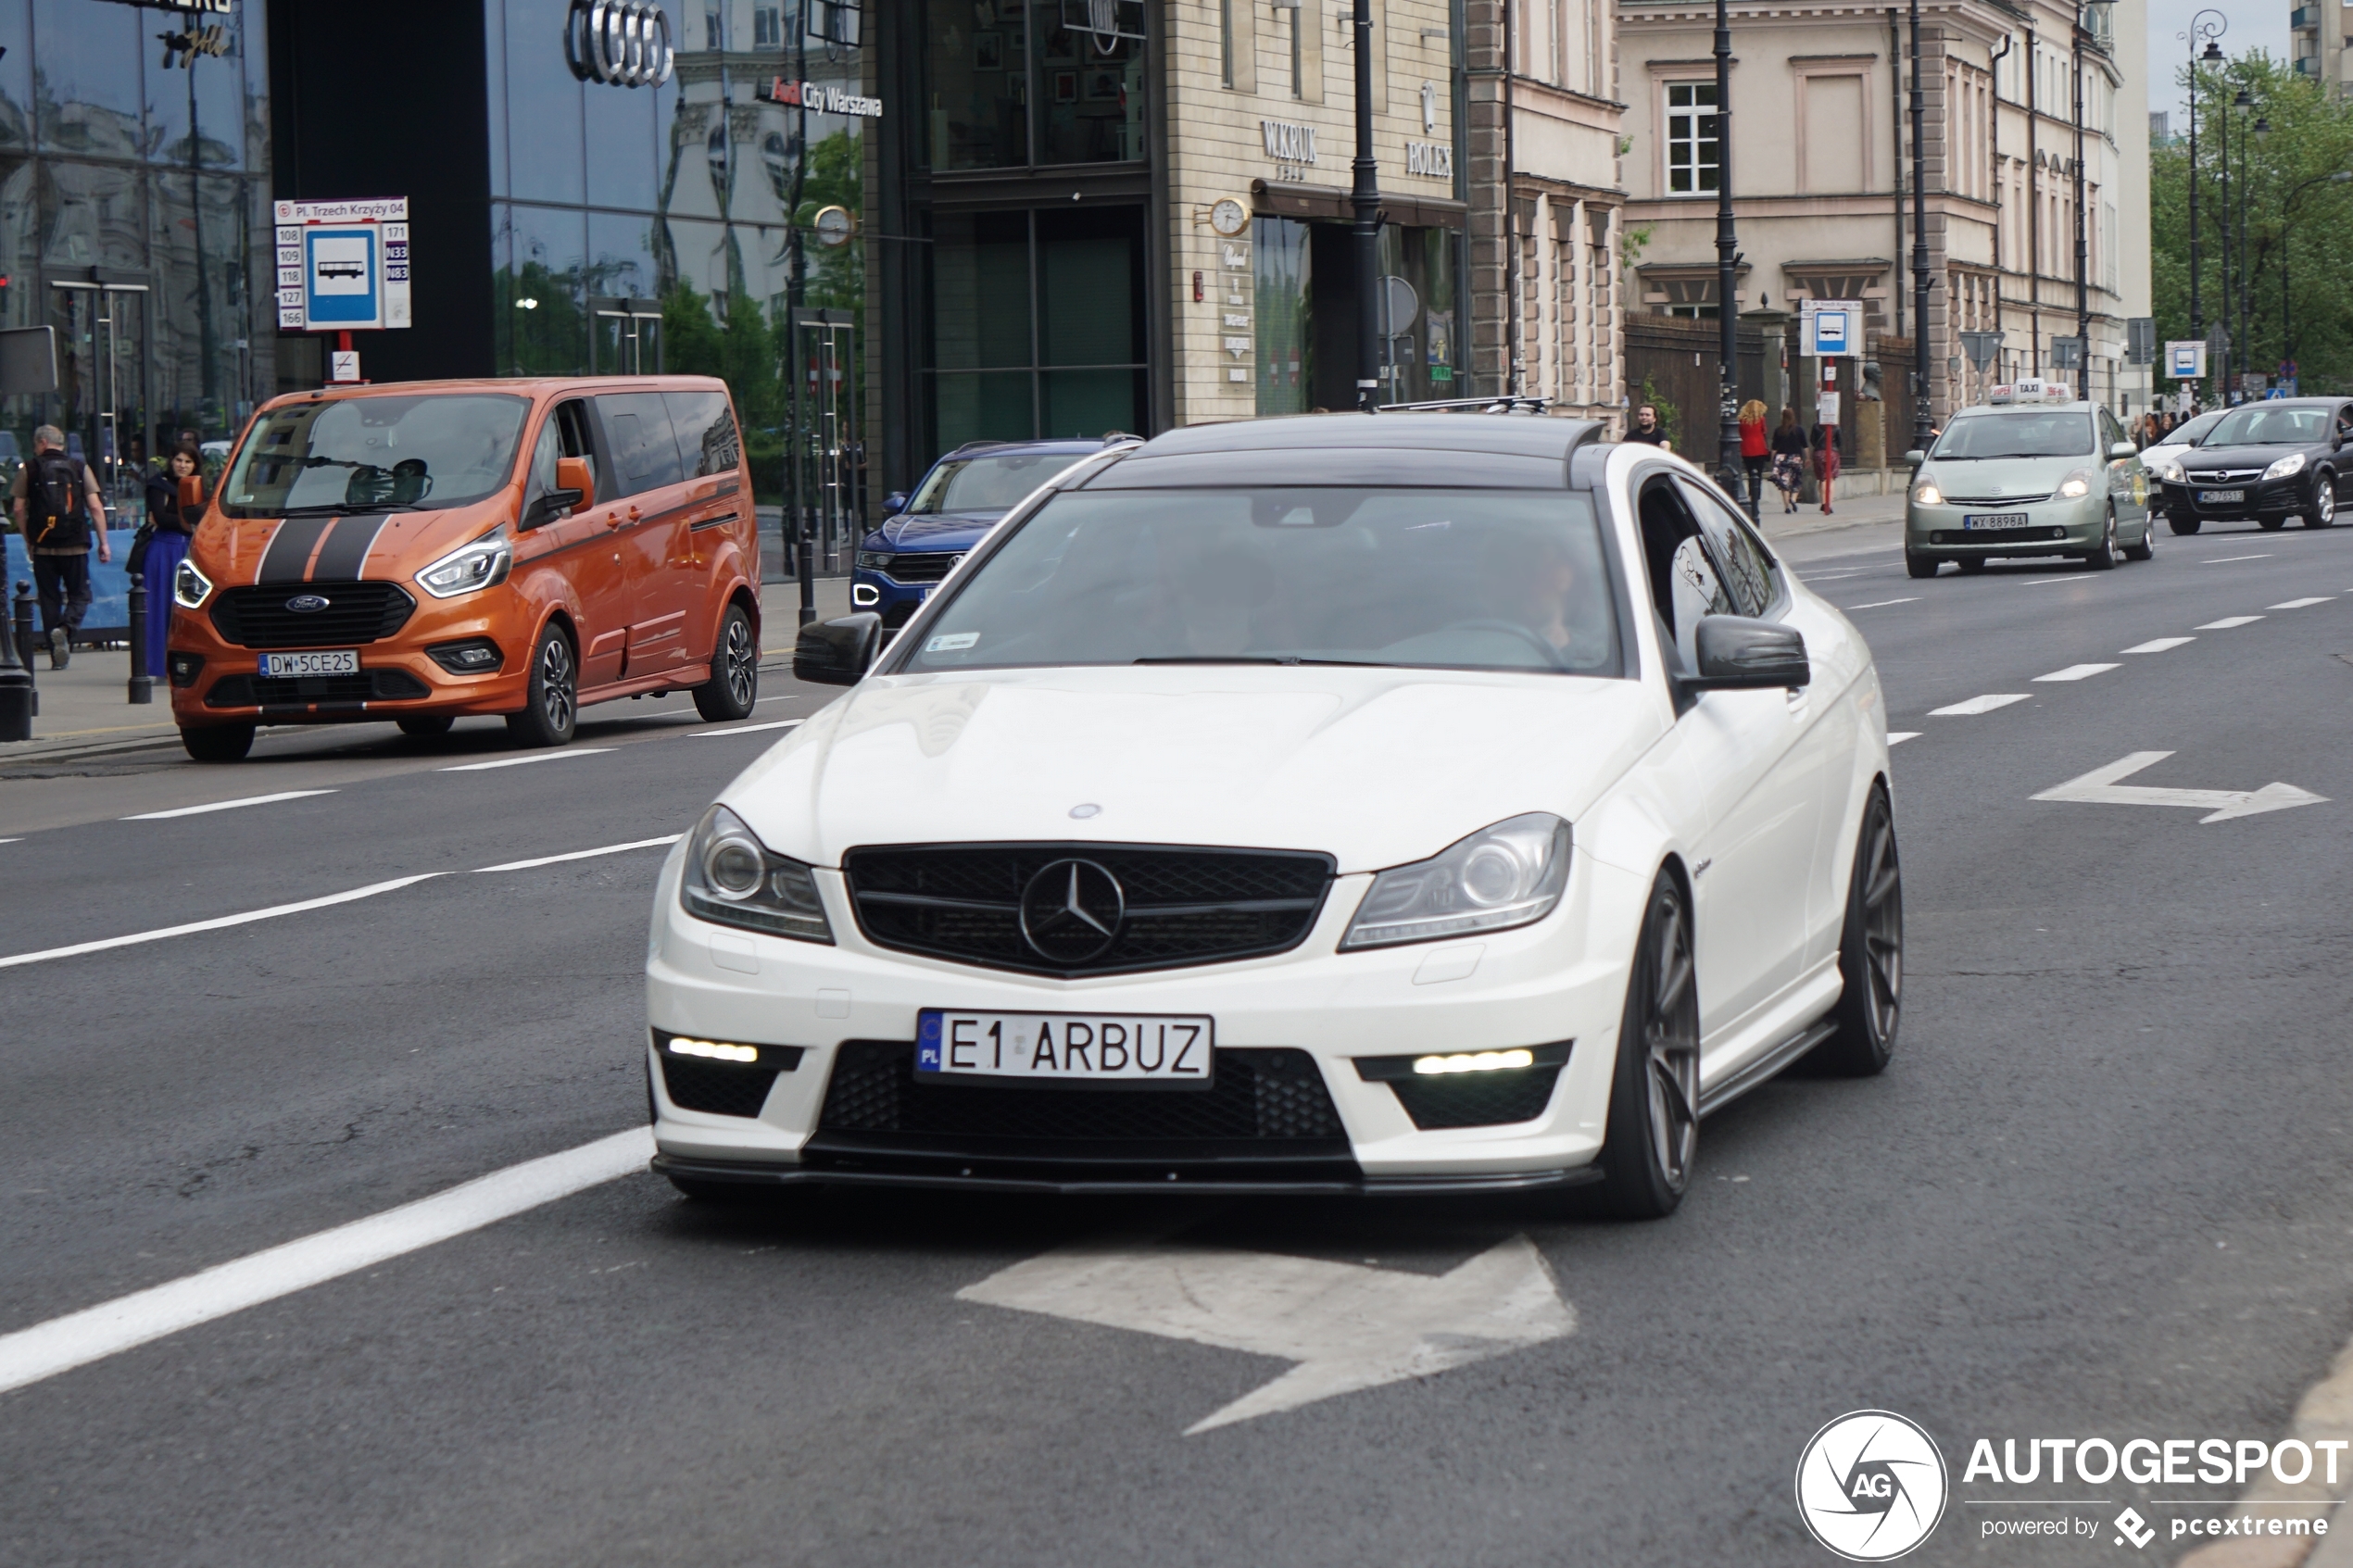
[290, 548]
[346, 548]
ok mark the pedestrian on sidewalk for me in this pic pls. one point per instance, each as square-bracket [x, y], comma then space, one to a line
[57, 506]
[1789, 459]
[166, 546]
[1826, 461]
[1646, 428]
[1757, 453]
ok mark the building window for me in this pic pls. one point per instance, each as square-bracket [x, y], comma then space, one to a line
[1694, 154]
[768, 28]
[1225, 41]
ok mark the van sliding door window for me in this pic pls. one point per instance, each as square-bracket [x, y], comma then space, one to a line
[706, 432]
[637, 423]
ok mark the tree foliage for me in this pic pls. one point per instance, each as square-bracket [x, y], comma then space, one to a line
[2296, 215]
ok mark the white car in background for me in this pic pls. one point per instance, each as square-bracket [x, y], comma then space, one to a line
[1407, 804]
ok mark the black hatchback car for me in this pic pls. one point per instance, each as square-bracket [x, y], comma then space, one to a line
[2270, 461]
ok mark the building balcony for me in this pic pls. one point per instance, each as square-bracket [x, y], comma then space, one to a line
[2303, 17]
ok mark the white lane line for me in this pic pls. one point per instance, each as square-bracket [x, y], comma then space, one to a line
[579, 855]
[221, 922]
[11, 841]
[748, 729]
[2229, 621]
[2158, 645]
[2218, 560]
[227, 805]
[111, 1327]
[2078, 671]
[2300, 604]
[2065, 577]
[535, 757]
[1979, 705]
[1897, 737]
[1883, 604]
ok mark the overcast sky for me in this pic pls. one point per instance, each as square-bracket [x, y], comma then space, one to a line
[2254, 24]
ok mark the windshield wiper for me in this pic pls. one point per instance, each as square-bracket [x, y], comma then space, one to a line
[1265, 659]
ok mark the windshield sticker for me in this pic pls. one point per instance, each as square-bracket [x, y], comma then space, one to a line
[952, 642]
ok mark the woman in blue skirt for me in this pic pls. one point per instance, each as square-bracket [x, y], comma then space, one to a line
[166, 549]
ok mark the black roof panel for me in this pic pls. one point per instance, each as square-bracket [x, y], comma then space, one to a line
[1484, 450]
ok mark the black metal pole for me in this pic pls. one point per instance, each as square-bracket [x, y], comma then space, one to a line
[1728, 310]
[1921, 419]
[796, 534]
[23, 610]
[15, 685]
[1365, 196]
[2247, 278]
[142, 685]
[2082, 249]
[2224, 369]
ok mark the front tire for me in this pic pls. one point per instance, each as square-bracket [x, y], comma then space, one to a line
[1920, 566]
[2103, 556]
[425, 727]
[552, 708]
[218, 743]
[2183, 524]
[2321, 513]
[734, 686]
[1971, 565]
[1871, 953]
[1652, 1136]
[2146, 549]
[2271, 524]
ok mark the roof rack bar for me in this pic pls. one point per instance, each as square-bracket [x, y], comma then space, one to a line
[1506, 403]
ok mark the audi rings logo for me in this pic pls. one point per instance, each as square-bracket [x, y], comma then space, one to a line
[1871, 1486]
[1071, 911]
[622, 43]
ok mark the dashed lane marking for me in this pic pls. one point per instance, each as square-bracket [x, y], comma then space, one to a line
[1897, 737]
[2077, 673]
[749, 729]
[2229, 621]
[111, 1327]
[349, 895]
[1883, 604]
[2218, 560]
[533, 757]
[227, 805]
[2300, 604]
[1978, 705]
[2158, 645]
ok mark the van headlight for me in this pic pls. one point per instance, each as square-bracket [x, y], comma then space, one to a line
[2076, 485]
[1510, 874]
[2292, 463]
[482, 564]
[733, 879]
[190, 587]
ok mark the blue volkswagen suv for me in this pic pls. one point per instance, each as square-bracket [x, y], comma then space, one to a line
[958, 501]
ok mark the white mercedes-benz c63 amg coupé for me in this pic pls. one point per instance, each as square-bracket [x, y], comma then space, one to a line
[1424, 802]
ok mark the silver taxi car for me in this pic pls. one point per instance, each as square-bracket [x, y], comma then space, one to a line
[2028, 474]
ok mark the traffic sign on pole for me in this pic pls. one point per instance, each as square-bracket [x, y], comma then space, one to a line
[343, 266]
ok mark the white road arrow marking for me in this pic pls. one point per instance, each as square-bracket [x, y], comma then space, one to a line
[2099, 787]
[1347, 1326]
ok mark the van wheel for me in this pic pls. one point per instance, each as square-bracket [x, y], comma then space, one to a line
[218, 743]
[425, 727]
[733, 686]
[551, 709]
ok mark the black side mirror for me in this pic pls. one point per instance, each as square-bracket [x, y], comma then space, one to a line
[894, 503]
[549, 508]
[837, 653]
[1737, 653]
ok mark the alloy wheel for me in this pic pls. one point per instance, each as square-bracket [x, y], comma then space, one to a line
[1884, 925]
[2324, 501]
[558, 700]
[741, 662]
[1670, 1041]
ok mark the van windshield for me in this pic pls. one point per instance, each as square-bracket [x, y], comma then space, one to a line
[376, 453]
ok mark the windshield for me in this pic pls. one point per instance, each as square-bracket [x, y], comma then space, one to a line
[1426, 579]
[987, 485]
[2029, 432]
[2270, 427]
[376, 453]
[2194, 431]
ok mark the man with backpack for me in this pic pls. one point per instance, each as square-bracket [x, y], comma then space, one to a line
[57, 504]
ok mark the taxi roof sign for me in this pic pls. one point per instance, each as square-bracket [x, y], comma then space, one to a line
[2030, 390]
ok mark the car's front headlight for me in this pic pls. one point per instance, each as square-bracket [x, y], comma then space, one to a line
[733, 879]
[2292, 463]
[2077, 484]
[190, 587]
[874, 560]
[2171, 472]
[1499, 877]
[482, 564]
[1929, 496]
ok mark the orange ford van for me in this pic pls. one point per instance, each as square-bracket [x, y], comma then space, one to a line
[422, 550]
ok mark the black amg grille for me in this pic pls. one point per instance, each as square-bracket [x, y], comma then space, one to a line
[1477, 1099]
[356, 613]
[1262, 1104]
[719, 1089]
[1182, 906]
[929, 566]
[301, 691]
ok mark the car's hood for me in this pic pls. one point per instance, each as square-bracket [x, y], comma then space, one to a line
[936, 530]
[1376, 767]
[307, 547]
[1994, 478]
[2257, 458]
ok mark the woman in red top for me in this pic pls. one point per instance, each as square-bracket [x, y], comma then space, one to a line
[1755, 453]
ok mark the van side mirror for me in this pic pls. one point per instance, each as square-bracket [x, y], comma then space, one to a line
[577, 475]
[894, 503]
[2123, 449]
[1737, 653]
[837, 653]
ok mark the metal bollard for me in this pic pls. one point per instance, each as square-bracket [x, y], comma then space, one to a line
[142, 685]
[16, 690]
[24, 640]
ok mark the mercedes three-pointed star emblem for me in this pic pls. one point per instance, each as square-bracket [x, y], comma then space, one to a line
[1071, 912]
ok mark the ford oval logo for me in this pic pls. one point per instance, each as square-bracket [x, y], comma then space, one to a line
[307, 604]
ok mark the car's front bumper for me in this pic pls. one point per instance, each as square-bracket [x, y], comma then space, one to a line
[1561, 980]
[2052, 528]
[2269, 497]
[895, 601]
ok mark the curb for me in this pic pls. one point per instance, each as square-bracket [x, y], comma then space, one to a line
[2325, 1412]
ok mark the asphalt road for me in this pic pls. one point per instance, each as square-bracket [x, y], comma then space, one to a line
[2103, 1189]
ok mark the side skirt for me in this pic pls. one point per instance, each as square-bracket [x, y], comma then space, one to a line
[1764, 1066]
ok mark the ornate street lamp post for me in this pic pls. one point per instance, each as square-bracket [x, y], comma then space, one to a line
[2204, 29]
[1365, 196]
[1728, 313]
[1921, 419]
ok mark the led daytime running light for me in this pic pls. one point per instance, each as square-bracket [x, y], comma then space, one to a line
[1474, 1061]
[719, 1051]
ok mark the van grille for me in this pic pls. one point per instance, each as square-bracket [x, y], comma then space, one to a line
[357, 613]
